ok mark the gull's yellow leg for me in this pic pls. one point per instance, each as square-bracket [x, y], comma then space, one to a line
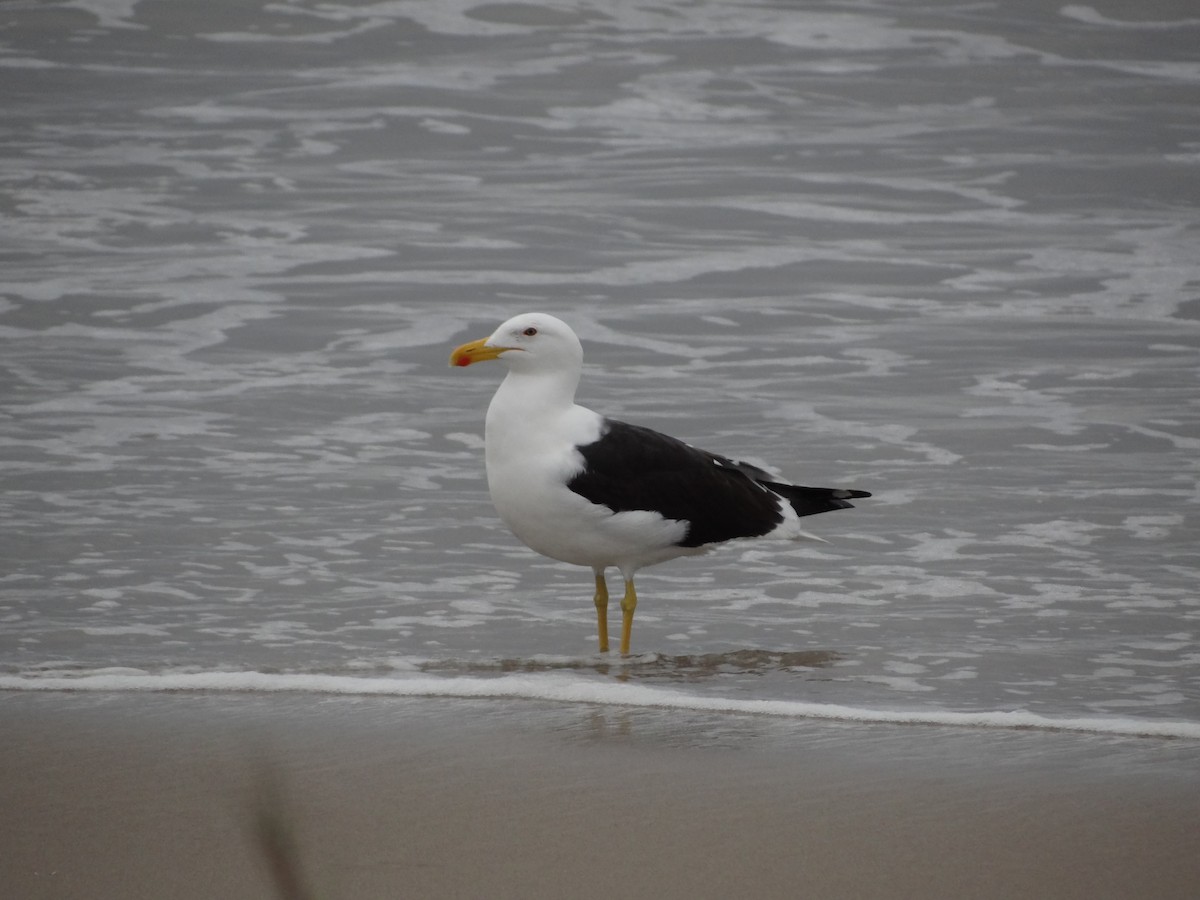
[601, 601]
[628, 605]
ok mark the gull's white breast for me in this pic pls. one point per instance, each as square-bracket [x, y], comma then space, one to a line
[530, 460]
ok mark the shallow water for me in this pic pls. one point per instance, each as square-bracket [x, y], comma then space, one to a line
[943, 252]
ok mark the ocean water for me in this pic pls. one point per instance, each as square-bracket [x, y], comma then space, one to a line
[943, 251]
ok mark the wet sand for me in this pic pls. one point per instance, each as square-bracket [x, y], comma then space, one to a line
[184, 796]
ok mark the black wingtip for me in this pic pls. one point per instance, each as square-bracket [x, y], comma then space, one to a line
[846, 494]
[808, 501]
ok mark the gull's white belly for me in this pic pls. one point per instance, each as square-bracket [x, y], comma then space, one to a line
[531, 496]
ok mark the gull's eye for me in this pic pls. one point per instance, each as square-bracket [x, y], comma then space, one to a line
[530, 331]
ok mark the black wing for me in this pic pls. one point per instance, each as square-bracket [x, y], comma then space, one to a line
[634, 468]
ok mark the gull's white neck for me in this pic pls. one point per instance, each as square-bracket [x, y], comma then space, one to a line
[533, 410]
[530, 393]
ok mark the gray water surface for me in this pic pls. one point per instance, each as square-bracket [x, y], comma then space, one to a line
[945, 252]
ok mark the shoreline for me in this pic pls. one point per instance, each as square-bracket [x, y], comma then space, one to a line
[536, 688]
[165, 796]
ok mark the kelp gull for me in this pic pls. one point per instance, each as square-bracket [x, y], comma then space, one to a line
[591, 491]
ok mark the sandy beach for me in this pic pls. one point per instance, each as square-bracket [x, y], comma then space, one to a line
[181, 796]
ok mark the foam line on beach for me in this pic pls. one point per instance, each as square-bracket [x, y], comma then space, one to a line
[571, 689]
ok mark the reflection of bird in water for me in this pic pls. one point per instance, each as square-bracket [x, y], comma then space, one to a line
[595, 492]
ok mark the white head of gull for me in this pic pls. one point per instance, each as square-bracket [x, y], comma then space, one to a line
[584, 489]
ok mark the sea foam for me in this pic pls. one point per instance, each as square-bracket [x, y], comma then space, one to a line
[562, 688]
